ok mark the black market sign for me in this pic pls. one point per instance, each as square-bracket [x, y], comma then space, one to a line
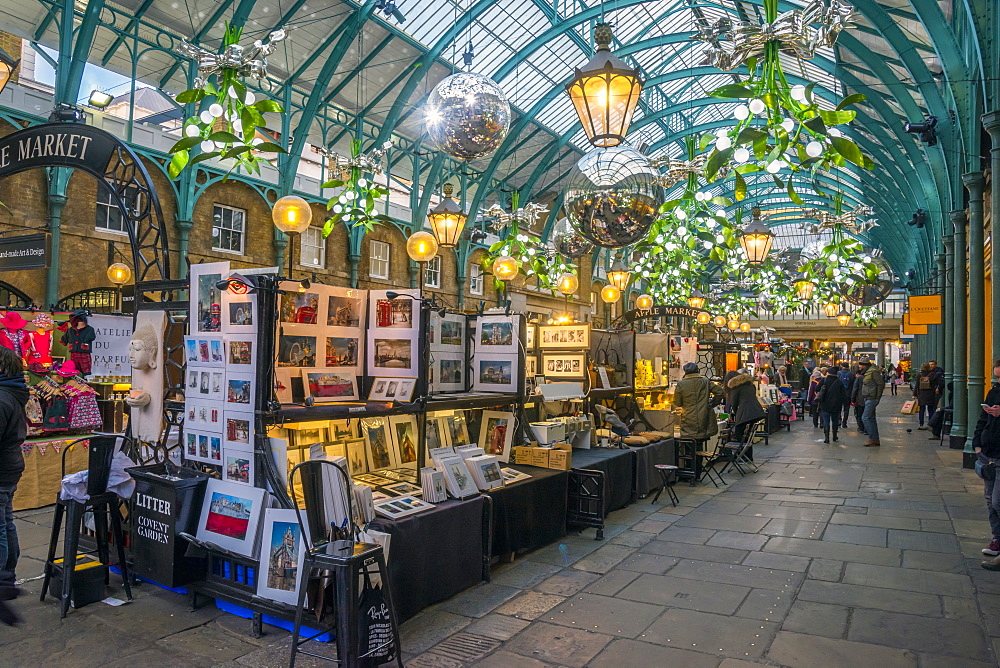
[29, 251]
[57, 145]
[662, 311]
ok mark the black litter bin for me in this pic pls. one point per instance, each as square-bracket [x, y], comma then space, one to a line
[163, 505]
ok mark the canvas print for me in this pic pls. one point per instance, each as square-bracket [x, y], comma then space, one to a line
[404, 433]
[241, 314]
[230, 516]
[281, 556]
[393, 353]
[329, 386]
[239, 352]
[497, 433]
[378, 442]
[341, 351]
[394, 313]
[344, 311]
[297, 350]
[299, 307]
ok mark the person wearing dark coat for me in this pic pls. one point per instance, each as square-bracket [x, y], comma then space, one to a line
[744, 406]
[831, 397]
[697, 396]
[725, 384]
[804, 374]
[13, 431]
[927, 388]
[847, 378]
[857, 401]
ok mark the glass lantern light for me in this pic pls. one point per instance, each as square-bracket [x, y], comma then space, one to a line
[644, 302]
[610, 294]
[291, 214]
[697, 299]
[756, 239]
[505, 267]
[719, 321]
[567, 283]
[831, 309]
[744, 327]
[421, 246]
[804, 288]
[619, 274]
[844, 318]
[704, 318]
[119, 273]
[733, 325]
[447, 220]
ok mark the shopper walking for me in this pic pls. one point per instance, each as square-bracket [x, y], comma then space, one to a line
[856, 400]
[805, 374]
[13, 431]
[986, 443]
[744, 406]
[872, 387]
[830, 399]
[847, 379]
[815, 380]
[893, 378]
[926, 389]
[696, 396]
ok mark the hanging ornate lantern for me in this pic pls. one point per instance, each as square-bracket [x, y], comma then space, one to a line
[804, 289]
[844, 318]
[831, 309]
[613, 196]
[447, 220]
[619, 274]
[605, 93]
[756, 240]
[610, 294]
[697, 299]
[467, 116]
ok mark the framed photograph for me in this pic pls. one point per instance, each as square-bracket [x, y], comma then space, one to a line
[394, 313]
[394, 354]
[336, 450]
[344, 430]
[513, 475]
[306, 435]
[497, 334]
[434, 433]
[281, 556]
[530, 366]
[239, 352]
[404, 439]
[457, 478]
[401, 506]
[202, 447]
[238, 428]
[296, 349]
[529, 336]
[448, 332]
[378, 443]
[392, 389]
[403, 488]
[495, 373]
[206, 298]
[283, 384]
[447, 372]
[239, 310]
[326, 386]
[205, 384]
[564, 365]
[496, 432]
[230, 516]
[564, 337]
[488, 472]
[457, 428]
[203, 351]
[357, 458]
[300, 308]
[240, 390]
[238, 465]
[345, 308]
[342, 352]
[203, 416]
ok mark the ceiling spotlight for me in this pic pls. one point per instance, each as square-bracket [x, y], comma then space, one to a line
[389, 9]
[919, 219]
[928, 134]
[99, 99]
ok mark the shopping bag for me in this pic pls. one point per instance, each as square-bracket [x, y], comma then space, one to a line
[910, 407]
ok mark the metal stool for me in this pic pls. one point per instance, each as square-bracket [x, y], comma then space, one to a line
[348, 561]
[103, 503]
[668, 475]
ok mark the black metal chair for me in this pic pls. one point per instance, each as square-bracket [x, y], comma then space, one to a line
[946, 422]
[344, 562]
[735, 453]
[103, 504]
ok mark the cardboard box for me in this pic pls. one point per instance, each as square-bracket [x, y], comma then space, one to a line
[561, 459]
[520, 454]
[562, 445]
[547, 432]
[540, 457]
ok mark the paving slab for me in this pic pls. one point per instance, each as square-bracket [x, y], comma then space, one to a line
[789, 512]
[626, 652]
[557, 644]
[504, 659]
[530, 605]
[737, 540]
[604, 558]
[686, 534]
[720, 521]
[934, 561]
[648, 563]
[938, 636]
[746, 576]
[922, 540]
[428, 628]
[908, 579]
[566, 582]
[820, 619]
[794, 528]
[612, 583]
[498, 627]
[782, 562]
[713, 634]
[796, 649]
[523, 573]
[604, 614]
[877, 521]
[857, 596]
[839, 551]
[633, 538]
[856, 535]
[686, 593]
[700, 552]
[768, 605]
[479, 600]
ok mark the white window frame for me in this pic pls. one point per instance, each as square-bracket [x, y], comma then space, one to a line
[106, 204]
[379, 256]
[218, 222]
[319, 248]
[476, 279]
[432, 273]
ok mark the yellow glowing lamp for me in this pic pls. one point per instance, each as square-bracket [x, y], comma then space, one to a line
[831, 309]
[844, 318]
[697, 299]
[291, 214]
[119, 273]
[644, 302]
[505, 267]
[732, 315]
[719, 321]
[744, 327]
[704, 318]
[619, 274]
[756, 239]
[733, 325]
[447, 220]
[421, 246]
[610, 294]
[567, 283]
[804, 289]
[605, 93]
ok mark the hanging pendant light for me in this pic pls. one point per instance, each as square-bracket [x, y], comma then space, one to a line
[756, 240]
[719, 321]
[804, 289]
[704, 318]
[644, 302]
[567, 283]
[610, 294]
[619, 274]
[844, 318]
[447, 220]
[605, 93]
[745, 327]
[505, 268]
[831, 309]
[697, 299]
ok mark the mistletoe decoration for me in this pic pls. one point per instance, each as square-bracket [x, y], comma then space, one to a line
[867, 316]
[354, 205]
[226, 128]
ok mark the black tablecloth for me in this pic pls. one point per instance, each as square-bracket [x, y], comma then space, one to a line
[773, 418]
[619, 470]
[531, 513]
[435, 554]
[647, 457]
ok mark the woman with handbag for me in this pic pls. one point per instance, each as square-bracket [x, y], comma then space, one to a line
[926, 389]
[830, 401]
[986, 443]
[815, 382]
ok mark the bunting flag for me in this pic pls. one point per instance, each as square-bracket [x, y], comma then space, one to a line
[57, 446]
[26, 448]
[42, 447]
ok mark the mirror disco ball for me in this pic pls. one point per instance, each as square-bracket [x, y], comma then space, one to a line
[613, 196]
[467, 116]
[568, 242]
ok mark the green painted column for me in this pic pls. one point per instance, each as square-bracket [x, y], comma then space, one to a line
[937, 331]
[183, 242]
[948, 314]
[960, 326]
[974, 183]
[57, 203]
[991, 122]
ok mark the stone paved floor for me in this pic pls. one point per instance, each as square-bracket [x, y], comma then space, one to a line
[833, 555]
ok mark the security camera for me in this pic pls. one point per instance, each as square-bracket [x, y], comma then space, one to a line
[919, 219]
[928, 134]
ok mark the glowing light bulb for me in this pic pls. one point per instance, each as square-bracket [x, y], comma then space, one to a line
[814, 149]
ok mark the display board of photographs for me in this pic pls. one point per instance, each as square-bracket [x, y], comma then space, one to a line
[564, 365]
[206, 298]
[447, 332]
[564, 337]
[497, 334]
[320, 341]
[393, 334]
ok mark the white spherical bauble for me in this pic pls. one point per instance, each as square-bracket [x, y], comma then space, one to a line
[467, 116]
[741, 112]
[757, 106]
[814, 149]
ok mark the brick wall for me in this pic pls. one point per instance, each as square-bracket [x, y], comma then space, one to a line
[12, 45]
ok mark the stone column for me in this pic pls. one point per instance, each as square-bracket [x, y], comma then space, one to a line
[974, 183]
[960, 396]
[880, 353]
[991, 122]
[948, 314]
